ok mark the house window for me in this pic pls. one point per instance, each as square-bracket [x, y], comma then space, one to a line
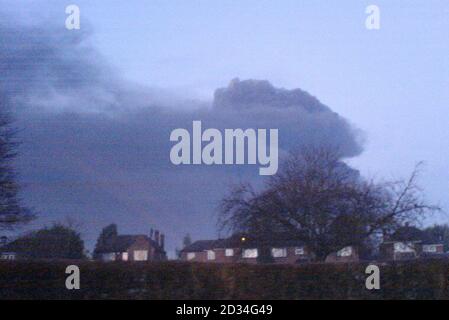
[279, 252]
[429, 248]
[190, 255]
[250, 253]
[299, 251]
[404, 247]
[345, 252]
[140, 255]
[210, 255]
[229, 252]
[125, 256]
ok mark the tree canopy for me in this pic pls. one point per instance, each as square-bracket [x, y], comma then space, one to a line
[187, 240]
[56, 242]
[106, 236]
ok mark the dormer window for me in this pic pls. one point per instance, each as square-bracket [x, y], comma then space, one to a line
[345, 252]
[190, 255]
[250, 253]
[429, 248]
[279, 252]
[404, 247]
[140, 255]
[210, 255]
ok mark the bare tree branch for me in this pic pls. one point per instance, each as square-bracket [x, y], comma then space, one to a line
[317, 198]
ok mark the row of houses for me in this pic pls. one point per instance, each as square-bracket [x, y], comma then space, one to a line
[118, 248]
[405, 243]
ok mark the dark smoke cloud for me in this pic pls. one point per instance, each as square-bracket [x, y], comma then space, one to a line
[96, 147]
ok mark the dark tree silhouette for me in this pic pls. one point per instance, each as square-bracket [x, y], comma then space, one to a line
[12, 213]
[56, 242]
[187, 241]
[108, 234]
[318, 199]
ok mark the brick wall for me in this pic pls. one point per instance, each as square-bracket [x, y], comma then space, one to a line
[143, 244]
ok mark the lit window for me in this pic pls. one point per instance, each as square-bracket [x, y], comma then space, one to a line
[140, 255]
[190, 255]
[250, 253]
[345, 252]
[299, 251]
[404, 247]
[279, 252]
[229, 252]
[210, 255]
[125, 256]
[429, 248]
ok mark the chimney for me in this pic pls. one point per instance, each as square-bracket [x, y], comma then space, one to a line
[162, 240]
[156, 236]
[151, 233]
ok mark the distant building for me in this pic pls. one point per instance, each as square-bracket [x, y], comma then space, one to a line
[246, 249]
[242, 248]
[134, 248]
[410, 243]
[8, 255]
[12, 250]
[5, 254]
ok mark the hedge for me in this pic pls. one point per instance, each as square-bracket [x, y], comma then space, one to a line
[177, 280]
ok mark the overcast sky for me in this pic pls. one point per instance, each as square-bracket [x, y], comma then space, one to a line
[391, 85]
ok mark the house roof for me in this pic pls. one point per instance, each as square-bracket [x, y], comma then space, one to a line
[407, 234]
[121, 243]
[242, 241]
[201, 245]
[412, 234]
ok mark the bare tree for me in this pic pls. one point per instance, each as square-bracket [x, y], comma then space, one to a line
[320, 200]
[12, 213]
